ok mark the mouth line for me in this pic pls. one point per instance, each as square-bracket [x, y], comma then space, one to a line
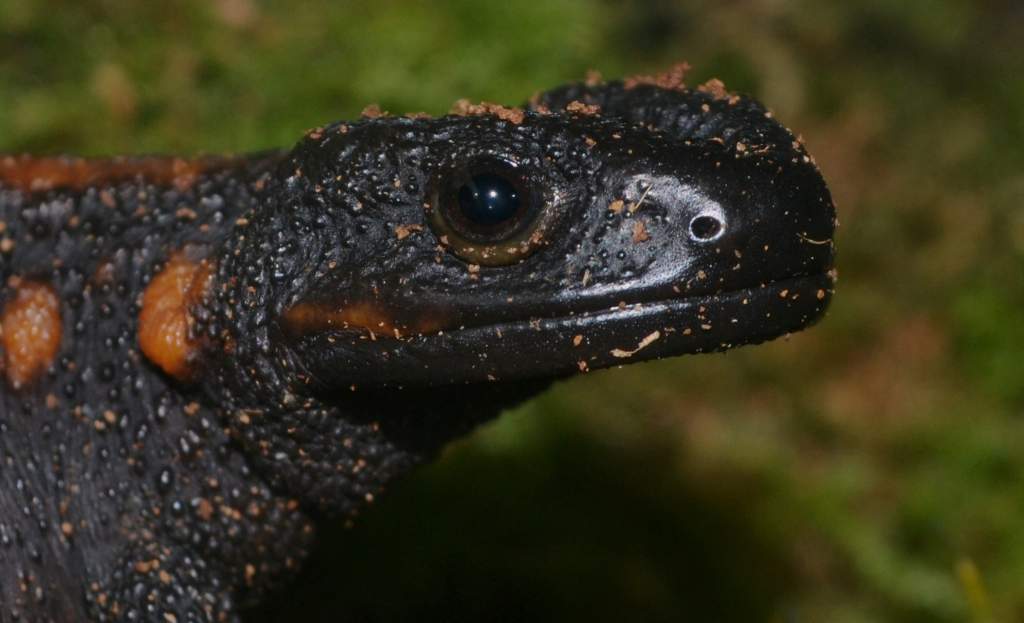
[789, 288]
[369, 323]
[583, 341]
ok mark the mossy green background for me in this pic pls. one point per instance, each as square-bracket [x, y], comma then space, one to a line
[871, 469]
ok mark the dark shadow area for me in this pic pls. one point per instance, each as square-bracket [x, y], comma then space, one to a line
[566, 530]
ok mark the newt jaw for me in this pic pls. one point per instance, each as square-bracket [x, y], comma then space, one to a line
[583, 341]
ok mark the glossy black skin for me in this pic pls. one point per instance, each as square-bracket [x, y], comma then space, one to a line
[282, 426]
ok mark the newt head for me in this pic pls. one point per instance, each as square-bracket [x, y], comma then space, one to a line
[493, 247]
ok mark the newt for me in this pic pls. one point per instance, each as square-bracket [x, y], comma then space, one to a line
[202, 359]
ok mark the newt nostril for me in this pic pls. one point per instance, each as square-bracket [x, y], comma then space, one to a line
[705, 227]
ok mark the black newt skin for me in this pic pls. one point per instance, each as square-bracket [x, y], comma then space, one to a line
[345, 334]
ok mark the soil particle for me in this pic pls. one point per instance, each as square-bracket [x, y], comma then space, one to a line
[673, 79]
[465, 108]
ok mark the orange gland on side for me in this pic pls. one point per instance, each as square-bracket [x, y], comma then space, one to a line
[165, 320]
[30, 332]
[31, 174]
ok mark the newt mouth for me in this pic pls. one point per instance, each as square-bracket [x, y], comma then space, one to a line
[565, 344]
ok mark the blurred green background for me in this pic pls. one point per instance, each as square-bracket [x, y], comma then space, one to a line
[868, 470]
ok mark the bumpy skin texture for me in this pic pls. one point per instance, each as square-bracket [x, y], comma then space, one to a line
[129, 494]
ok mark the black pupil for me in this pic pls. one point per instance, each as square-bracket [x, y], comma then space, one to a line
[488, 199]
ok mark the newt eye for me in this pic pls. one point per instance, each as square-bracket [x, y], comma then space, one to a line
[489, 200]
[488, 213]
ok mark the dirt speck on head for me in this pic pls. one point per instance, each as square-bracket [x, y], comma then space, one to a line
[465, 108]
[673, 79]
[582, 108]
[373, 111]
[716, 89]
